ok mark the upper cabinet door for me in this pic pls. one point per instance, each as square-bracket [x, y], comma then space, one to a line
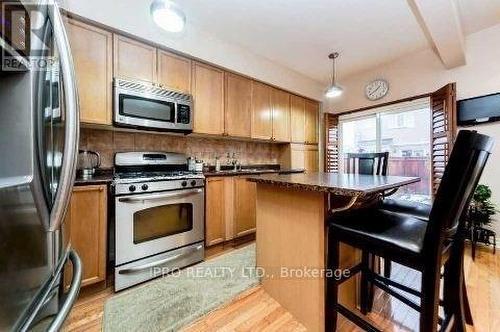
[238, 105]
[208, 94]
[262, 122]
[92, 50]
[298, 119]
[174, 71]
[134, 60]
[280, 101]
[311, 125]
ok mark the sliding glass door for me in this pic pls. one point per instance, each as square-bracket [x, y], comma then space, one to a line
[403, 131]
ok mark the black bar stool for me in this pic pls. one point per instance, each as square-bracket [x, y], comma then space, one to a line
[421, 211]
[367, 163]
[420, 245]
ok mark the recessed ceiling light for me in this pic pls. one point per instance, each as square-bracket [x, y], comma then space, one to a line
[168, 15]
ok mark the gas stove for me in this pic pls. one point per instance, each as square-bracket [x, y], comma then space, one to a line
[137, 172]
[159, 215]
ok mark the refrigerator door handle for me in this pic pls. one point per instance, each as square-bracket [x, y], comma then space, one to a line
[70, 153]
[72, 293]
[47, 293]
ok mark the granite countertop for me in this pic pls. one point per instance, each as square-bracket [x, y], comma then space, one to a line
[106, 176]
[250, 170]
[100, 177]
[339, 184]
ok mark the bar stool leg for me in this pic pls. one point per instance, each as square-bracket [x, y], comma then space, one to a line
[364, 285]
[371, 287]
[331, 286]
[465, 297]
[430, 299]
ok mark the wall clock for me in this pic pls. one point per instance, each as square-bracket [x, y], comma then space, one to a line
[376, 89]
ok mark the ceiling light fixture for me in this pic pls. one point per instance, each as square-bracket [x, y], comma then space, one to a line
[334, 90]
[168, 15]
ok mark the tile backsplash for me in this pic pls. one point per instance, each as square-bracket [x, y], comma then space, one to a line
[108, 142]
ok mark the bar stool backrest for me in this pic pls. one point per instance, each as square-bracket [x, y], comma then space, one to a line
[367, 163]
[460, 178]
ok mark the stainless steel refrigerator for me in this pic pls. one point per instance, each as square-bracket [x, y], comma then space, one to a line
[39, 132]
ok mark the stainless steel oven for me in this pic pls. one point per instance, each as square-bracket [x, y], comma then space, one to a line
[148, 224]
[159, 216]
[144, 105]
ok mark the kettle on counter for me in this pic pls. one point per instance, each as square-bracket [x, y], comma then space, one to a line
[88, 161]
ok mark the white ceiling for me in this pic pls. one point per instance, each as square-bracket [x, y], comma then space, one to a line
[296, 34]
[299, 34]
[477, 15]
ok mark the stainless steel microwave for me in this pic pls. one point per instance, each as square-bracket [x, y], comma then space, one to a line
[144, 105]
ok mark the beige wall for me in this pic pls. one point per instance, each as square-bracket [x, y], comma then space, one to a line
[108, 142]
[423, 72]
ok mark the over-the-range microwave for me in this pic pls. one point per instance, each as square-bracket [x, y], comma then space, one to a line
[147, 106]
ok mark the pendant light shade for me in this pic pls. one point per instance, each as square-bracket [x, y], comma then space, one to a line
[334, 90]
[168, 15]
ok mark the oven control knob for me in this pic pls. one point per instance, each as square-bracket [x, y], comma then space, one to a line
[193, 183]
[184, 183]
[131, 188]
[144, 187]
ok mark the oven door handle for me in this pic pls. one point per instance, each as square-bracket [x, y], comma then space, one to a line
[160, 196]
[158, 263]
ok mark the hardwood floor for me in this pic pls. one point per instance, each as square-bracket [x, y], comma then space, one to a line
[255, 310]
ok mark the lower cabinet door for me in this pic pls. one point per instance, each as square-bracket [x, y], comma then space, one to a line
[244, 207]
[87, 221]
[215, 225]
[311, 160]
[302, 156]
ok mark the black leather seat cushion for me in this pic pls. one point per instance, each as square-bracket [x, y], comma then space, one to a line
[414, 209]
[380, 230]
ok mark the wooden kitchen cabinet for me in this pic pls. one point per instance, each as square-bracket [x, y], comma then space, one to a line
[87, 221]
[244, 207]
[92, 50]
[262, 122]
[208, 94]
[297, 119]
[215, 206]
[311, 122]
[301, 156]
[229, 208]
[174, 71]
[280, 103]
[311, 159]
[238, 105]
[134, 60]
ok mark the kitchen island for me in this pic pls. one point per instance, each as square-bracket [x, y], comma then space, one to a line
[291, 233]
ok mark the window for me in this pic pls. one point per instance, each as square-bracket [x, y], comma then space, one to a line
[390, 124]
[359, 136]
[400, 120]
[404, 131]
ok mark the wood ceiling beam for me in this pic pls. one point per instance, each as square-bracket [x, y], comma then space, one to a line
[440, 22]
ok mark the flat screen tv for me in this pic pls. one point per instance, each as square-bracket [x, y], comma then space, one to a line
[478, 110]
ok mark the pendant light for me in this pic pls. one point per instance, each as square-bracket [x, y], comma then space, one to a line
[334, 90]
[168, 15]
